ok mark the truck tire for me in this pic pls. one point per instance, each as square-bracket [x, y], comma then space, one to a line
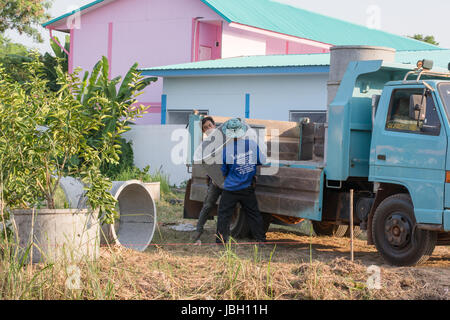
[395, 234]
[267, 220]
[329, 229]
[239, 227]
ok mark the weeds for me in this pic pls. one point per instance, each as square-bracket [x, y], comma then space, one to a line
[145, 176]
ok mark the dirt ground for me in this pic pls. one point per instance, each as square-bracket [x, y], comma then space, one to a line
[295, 254]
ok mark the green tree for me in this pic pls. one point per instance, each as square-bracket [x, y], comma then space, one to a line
[41, 131]
[427, 39]
[12, 56]
[24, 16]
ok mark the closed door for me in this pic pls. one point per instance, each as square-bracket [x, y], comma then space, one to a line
[412, 153]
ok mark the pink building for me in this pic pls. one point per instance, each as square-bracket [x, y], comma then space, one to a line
[166, 32]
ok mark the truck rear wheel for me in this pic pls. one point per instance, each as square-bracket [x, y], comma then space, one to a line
[329, 229]
[395, 234]
[239, 227]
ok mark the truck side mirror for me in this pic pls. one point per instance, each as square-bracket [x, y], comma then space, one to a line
[418, 107]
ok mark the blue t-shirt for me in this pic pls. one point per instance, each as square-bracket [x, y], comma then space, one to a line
[240, 158]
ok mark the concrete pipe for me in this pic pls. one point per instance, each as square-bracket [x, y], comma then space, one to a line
[342, 55]
[208, 156]
[57, 235]
[137, 212]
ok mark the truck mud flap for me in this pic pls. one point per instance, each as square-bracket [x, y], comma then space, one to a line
[191, 208]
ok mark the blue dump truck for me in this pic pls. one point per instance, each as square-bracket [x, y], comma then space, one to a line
[387, 138]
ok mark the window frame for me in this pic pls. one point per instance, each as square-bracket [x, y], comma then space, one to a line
[391, 104]
[321, 112]
[189, 111]
[441, 95]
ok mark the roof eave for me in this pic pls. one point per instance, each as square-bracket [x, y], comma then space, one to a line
[61, 18]
[236, 71]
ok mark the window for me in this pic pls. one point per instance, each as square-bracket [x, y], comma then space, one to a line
[182, 116]
[399, 118]
[314, 116]
[444, 89]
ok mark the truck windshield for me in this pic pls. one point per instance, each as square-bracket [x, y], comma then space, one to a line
[444, 90]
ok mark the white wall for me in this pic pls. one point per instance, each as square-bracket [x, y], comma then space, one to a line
[237, 43]
[271, 96]
[153, 145]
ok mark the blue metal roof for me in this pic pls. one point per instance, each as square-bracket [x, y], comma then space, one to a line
[283, 18]
[275, 64]
[281, 64]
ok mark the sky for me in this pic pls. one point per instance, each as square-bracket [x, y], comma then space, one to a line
[402, 17]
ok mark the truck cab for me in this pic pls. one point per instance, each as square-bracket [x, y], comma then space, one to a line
[409, 164]
[399, 141]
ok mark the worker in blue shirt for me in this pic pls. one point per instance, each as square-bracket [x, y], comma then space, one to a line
[241, 156]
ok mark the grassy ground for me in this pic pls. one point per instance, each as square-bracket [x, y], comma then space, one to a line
[296, 265]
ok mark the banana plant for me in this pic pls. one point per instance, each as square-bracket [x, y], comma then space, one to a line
[120, 95]
[60, 54]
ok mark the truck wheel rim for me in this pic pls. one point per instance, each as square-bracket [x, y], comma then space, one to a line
[398, 230]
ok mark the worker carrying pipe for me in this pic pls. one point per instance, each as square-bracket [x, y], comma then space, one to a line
[241, 156]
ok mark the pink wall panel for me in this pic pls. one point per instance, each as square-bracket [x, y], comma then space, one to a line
[90, 44]
[153, 115]
[275, 46]
[298, 48]
[150, 32]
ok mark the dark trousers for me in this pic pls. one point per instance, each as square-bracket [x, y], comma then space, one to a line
[249, 203]
[213, 195]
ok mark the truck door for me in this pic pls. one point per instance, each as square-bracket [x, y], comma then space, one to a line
[411, 153]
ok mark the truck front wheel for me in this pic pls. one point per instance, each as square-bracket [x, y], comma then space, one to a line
[395, 234]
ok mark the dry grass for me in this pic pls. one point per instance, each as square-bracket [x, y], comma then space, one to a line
[297, 267]
[217, 274]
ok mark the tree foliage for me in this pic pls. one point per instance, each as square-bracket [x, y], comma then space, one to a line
[427, 39]
[24, 16]
[14, 55]
[46, 135]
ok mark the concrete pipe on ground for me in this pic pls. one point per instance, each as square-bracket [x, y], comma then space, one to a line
[51, 235]
[75, 234]
[136, 225]
[137, 212]
[57, 235]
